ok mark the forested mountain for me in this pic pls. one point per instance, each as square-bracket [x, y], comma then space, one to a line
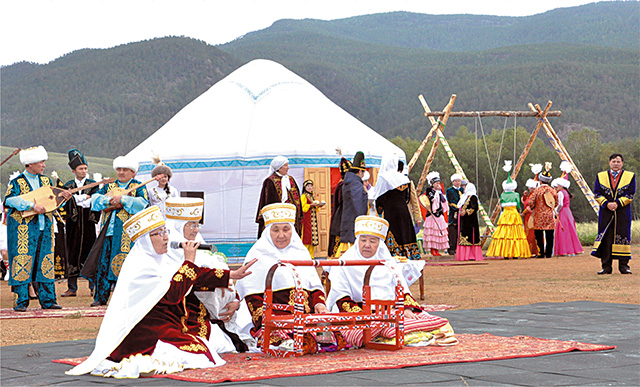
[105, 102]
[585, 59]
[601, 24]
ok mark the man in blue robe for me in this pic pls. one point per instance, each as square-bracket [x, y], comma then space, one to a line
[116, 210]
[30, 239]
[614, 190]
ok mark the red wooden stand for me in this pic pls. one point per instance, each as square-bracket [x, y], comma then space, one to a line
[374, 314]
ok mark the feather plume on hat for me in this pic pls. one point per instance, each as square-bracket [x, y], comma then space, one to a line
[160, 167]
[536, 168]
[509, 185]
[566, 167]
[507, 165]
[563, 181]
[155, 159]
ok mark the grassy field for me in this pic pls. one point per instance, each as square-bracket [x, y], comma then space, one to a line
[587, 232]
[57, 162]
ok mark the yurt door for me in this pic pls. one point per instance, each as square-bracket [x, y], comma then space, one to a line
[322, 191]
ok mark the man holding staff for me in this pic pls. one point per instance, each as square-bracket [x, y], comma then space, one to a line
[30, 239]
[614, 190]
[113, 244]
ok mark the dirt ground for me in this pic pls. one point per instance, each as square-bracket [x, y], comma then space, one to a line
[496, 283]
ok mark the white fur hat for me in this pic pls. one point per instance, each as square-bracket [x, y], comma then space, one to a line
[33, 155]
[125, 162]
[532, 183]
[456, 176]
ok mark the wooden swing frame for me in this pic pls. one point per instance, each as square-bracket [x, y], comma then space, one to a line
[438, 125]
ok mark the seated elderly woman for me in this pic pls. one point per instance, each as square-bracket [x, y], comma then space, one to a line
[212, 312]
[345, 295]
[279, 241]
[141, 333]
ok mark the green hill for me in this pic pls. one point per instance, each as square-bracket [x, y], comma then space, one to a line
[106, 101]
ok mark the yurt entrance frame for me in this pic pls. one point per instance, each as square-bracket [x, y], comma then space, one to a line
[438, 125]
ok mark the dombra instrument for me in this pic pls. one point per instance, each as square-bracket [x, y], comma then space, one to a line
[50, 197]
[117, 191]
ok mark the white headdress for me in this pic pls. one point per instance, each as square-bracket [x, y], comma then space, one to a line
[33, 155]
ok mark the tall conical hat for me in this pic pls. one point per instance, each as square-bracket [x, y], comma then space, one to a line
[76, 158]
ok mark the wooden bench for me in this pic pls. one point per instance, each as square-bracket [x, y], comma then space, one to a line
[375, 313]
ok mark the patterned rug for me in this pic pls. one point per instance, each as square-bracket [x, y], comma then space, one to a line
[9, 313]
[472, 348]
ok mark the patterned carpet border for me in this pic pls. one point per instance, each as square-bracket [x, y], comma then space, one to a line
[9, 313]
[472, 348]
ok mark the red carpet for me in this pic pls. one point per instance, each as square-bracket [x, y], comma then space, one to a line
[37, 312]
[249, 367]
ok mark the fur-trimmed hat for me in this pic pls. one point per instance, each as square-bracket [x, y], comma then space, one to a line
[545, 176]
[509, 185]
[125, 162]
[433, 177]
[563, 181]
[33, 155]
[456, 176]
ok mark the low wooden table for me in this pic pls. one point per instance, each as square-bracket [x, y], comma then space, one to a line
[374, 314]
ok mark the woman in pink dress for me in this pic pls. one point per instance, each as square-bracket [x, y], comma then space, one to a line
[435, 232]
[566, 241]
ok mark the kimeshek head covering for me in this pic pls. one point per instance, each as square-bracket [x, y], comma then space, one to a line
[76, 159]
[144, 279]
[456, 176]
[125, 162]
[563, 181]
[371, 225]
[359, 163]
[144, 222]
[348, 280]
[508, 185]
[268, 255]
[277, 163]
[470, 190]
[33, 155]
[389, 178]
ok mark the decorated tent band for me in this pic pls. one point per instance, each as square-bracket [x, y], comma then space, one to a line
[459, 170]
[334, 262]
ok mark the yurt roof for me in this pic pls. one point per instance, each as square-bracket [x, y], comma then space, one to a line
[259, 111]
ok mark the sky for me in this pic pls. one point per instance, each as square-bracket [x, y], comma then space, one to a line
[43, 30]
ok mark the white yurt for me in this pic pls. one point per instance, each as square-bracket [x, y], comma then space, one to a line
[220, 145]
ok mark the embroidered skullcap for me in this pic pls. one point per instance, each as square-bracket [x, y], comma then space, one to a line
[371, 225]
[279, 213]
[180, 208]
[144, 222]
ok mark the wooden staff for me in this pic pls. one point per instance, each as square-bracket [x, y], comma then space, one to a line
[564, 155]
[516, 169]
[15, 152]
[434, 126]
[437, 125]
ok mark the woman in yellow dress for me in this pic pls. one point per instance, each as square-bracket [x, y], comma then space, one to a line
[509, 239]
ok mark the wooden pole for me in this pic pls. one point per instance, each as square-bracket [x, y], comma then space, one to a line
[516, 169]
[458, 168]
[15, 152]
[496, 113]
[564, 155]
[434, 126]
[437, 125]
